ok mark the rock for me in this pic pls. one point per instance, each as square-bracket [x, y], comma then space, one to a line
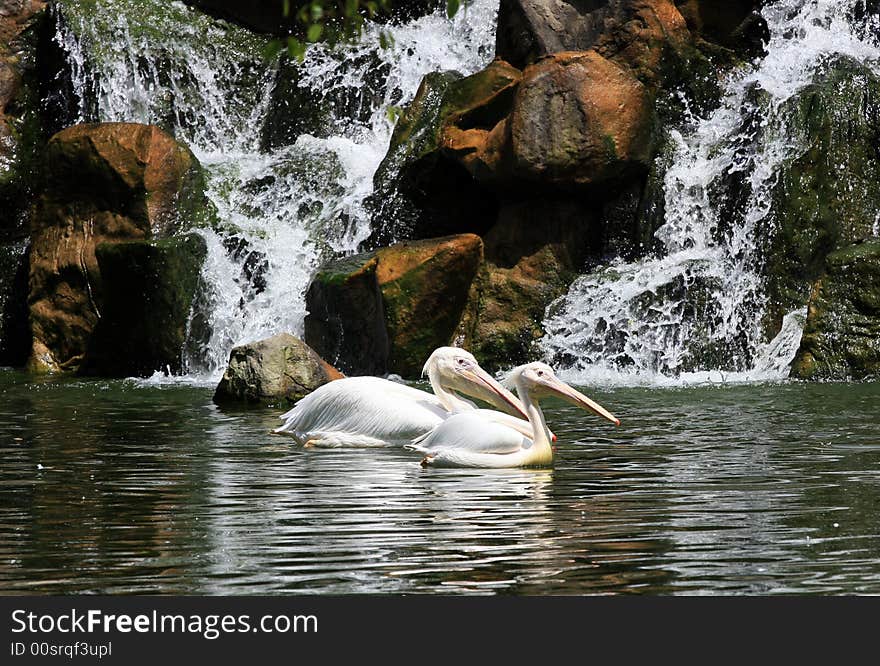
[428, 185]
[527, 266]
[108, 182]
[346, 317]
[734, 24]
[148, 292]
[425, 286]
[827, 197]
[281, 369]
[579, 119]
[386, 311]
[648, 38]
[842, 335]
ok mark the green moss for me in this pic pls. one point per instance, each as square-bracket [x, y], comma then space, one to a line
[842, 334]
[828, 196]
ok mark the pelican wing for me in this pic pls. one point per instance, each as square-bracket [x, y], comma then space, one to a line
[475, 432]
[371, 406]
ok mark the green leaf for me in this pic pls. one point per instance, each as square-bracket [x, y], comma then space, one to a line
[295, 48]
[314, 32]
[452, 7]
[272, 49]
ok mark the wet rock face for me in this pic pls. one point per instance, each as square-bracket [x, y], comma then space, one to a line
[395, 305]
[842, 334]
[148, 291]
[424, 289]
[734, 24]
[635, 31]
[276, 371]
[579, 119]
[346, 320]
[105, 183]
[825, 198]
[446, 146]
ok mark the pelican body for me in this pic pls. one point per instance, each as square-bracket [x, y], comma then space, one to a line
[470, 439]
[374, 412]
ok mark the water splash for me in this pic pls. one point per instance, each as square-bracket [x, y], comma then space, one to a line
[281, 210]
[694, 310]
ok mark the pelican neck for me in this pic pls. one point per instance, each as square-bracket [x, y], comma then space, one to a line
[449, 399]
[536, 417]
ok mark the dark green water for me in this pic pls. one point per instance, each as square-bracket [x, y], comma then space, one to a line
[109, 487]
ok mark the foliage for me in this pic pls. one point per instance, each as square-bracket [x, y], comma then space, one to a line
[335, 21]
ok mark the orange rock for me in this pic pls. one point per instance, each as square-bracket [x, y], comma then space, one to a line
[580, 119]
[105, 183]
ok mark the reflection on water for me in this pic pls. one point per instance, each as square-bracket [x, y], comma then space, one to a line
[111, 487]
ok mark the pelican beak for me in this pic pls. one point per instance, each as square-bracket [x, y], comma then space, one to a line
[569, 394]
[493, 392]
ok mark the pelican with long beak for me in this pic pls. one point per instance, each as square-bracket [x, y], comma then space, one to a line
[371, 412]
[469, 439]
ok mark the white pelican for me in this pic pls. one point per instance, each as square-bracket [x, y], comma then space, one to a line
[469, 439]
[370, 411]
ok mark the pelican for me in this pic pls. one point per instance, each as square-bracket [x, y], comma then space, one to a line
[372, 412]
[469, 439]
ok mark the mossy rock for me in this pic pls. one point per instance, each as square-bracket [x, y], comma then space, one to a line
[386, 311]
[346, 318]
[828, 197]
[277, 371]
[425, 286]
[433, 179]
[842, 334]
[148, 292]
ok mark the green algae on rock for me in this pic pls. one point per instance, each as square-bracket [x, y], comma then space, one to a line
[273, 372]
[842, 333]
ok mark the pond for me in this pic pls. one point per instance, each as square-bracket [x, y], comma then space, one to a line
[131, 487]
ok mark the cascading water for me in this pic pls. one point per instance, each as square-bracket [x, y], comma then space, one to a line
[694, 310]
[280, 210]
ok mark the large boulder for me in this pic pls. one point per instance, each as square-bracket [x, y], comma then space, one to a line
[733, 24]
[409, 299]
[105, 183]
[346, 316]
[842, 334]
[579, 119]
[425, 286]
[648, 37]
[279, 370]
[148, 292]
[446, 147]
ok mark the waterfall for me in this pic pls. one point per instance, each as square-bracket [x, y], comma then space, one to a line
[693, 310]
[281, 209]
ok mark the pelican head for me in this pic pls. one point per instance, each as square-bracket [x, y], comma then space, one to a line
[538, 379]
[457, 370]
